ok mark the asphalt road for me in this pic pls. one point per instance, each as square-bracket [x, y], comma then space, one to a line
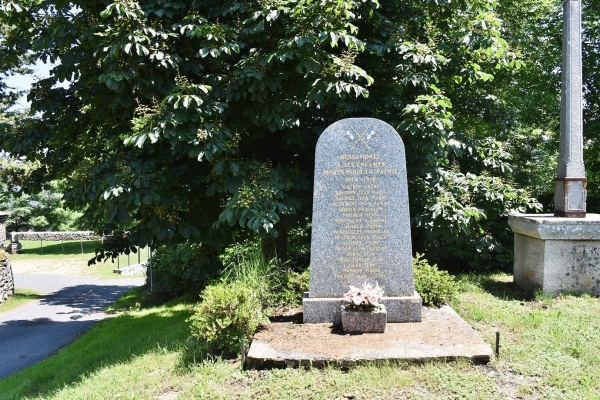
[69, 307]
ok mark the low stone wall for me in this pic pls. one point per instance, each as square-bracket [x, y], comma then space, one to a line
[3, 217]
[7, 284]
[57, 236]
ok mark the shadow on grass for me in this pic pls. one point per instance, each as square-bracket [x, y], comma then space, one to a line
[504, 290]
[111, 342]
[58, 248]
[20, 298]
[26, 295]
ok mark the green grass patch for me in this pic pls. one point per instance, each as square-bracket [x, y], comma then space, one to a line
[66, 258]
[35, 248]
[552, 341]
[84, 249]
[118, 355]
[550, 349]
[21, 297]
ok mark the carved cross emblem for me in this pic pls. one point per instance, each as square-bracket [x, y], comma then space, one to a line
[363, 137]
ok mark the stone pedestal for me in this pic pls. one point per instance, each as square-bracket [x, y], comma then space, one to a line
[15, 248]
[557, 254]
[399, 309]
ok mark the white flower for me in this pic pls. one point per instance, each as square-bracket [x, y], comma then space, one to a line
[364, 298]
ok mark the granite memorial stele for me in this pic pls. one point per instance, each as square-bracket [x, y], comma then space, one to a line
[361, 223]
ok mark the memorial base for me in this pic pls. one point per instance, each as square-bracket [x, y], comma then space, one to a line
[557, 254]
[327, 310]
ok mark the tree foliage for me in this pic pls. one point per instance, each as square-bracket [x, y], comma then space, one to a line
[197, 120]
[39, 211]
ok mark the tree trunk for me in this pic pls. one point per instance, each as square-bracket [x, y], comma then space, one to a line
[276, 247]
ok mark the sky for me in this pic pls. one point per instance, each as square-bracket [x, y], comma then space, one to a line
[24, 82]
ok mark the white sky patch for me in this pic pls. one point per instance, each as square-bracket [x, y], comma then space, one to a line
[24, 82]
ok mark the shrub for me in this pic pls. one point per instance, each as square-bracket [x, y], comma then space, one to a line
[299, 247]
[237, 252]
[436, 287]
[229, 313]
[232, 309]
[292, 286]
[183, 268]
[277, 285]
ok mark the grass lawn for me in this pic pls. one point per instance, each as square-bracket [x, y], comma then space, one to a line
[550, 349]
[67, 258]
[21, 297]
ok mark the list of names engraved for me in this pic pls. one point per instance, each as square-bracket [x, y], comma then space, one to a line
[360, 225]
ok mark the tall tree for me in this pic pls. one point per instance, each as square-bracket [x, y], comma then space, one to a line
[193, 119]
[40, 211]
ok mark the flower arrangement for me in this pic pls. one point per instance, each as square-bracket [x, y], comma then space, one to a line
[365, 298]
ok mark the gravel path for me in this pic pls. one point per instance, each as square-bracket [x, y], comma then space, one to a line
[69, 307]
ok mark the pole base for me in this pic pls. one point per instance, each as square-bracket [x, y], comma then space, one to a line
[569, 197]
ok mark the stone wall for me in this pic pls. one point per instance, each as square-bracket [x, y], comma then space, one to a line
[57, 236]
[3, 217]
[7, 285]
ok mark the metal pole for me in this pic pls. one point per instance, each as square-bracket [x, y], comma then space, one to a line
[150, 266]
[497, 343]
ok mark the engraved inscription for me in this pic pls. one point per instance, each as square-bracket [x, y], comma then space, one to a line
[360, 225]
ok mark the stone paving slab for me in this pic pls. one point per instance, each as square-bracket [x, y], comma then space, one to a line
[441, 335]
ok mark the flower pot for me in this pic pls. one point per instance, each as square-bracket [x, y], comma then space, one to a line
[358, 321]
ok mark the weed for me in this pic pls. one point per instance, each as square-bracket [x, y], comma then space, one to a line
[536, 318]
[545, 298]
[276, 284]
[575, 348]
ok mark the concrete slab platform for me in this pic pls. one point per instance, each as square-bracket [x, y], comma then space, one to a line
[441, 335]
